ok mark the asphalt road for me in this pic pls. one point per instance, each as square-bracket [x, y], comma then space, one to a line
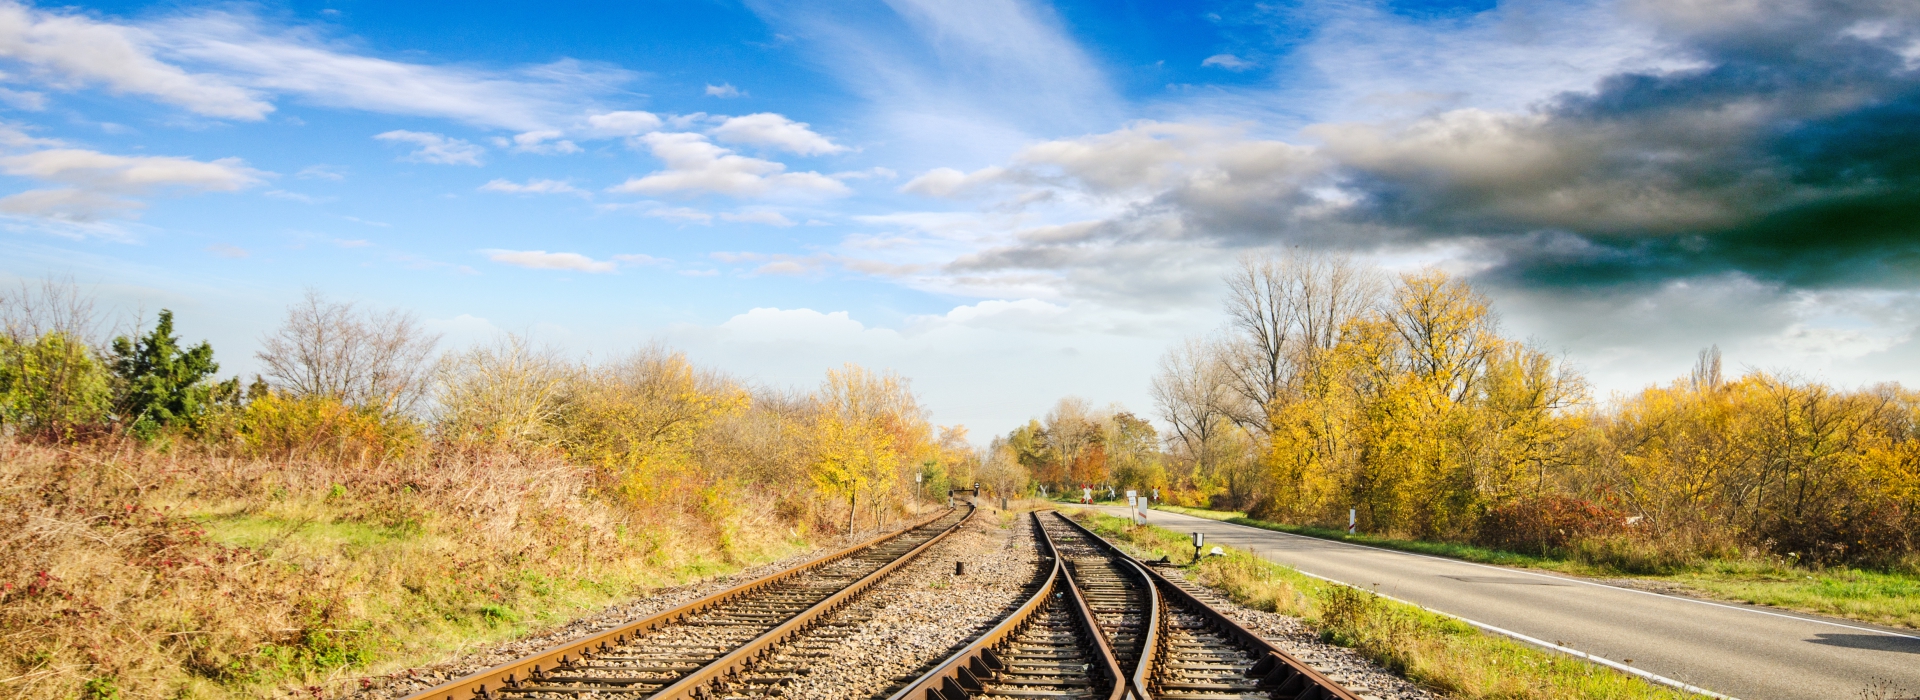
[1747, 652]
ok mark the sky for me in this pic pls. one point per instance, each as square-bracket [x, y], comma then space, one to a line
[1006, 201]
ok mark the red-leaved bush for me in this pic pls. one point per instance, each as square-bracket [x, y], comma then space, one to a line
[1543, 524]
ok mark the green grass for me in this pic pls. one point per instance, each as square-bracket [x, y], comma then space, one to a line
[1438, 652]
[267, 533]
[1882, 597]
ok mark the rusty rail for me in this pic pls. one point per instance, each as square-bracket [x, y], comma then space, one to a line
[1278, 673]
[478, 685]
[694, 685]
[969, 671]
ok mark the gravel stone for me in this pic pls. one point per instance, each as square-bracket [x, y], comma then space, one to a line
[1344, 666]
[915, 619]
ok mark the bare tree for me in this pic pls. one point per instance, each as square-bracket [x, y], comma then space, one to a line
[1192, 395]
[1706, 370]
[1283, 314]
[51, 306]
[362, 358]
[506, 393]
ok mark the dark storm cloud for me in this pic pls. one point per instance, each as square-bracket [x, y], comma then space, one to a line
[1791, 154]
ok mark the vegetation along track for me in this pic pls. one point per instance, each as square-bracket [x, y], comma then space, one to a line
[683, 652]
[1104, 626]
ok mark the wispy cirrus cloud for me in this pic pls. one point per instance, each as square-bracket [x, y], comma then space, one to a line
[435, 148]
[535, 186]
[74, 50]
[231, 65]
[543, 260]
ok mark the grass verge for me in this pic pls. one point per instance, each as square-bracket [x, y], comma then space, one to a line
[1881, 597]
[135, 573]
[1438, 652]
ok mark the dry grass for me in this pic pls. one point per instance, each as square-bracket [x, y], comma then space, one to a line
[134, 573]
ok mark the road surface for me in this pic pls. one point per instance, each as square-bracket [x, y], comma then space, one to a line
[1747, 652]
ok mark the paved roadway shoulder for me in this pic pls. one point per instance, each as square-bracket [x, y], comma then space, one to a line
[1748, 652]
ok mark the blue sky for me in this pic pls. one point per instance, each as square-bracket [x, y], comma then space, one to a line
[1007, 201]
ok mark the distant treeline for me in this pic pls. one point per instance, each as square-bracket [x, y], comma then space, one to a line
[1335, 386]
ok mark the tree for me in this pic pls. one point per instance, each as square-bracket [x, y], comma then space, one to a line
[160, 384]
[355, 356]
[1192, 396]
[1284, 313]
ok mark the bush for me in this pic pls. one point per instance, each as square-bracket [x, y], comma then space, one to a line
[1547, 524]
[52, 385]
[276, 425]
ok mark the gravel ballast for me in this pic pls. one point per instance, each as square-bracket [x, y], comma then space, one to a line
[915, 619]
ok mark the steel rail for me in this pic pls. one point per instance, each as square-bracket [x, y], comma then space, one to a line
[478, 685]
[972, 670]
[1137, 677]
[694, 685]
[1277, 673]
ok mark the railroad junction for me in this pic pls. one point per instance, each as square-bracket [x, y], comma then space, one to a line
[967, 602]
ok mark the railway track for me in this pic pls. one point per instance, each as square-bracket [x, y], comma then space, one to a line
[1132, 633]
[689, 651]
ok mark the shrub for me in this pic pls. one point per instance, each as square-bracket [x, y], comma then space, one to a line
[276, 425]
[1547, 524]
[52, 385]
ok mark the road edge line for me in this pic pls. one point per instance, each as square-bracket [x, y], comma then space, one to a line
[1576, 653]
[1530, 572]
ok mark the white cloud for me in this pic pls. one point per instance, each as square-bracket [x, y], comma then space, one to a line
[631, 123]
[543, 260]
[228, 251]
[695, 166]
[302, 62]
[72, 50]
[947, 182]
[68, 205]
[104, 171]
[770, 218]
[240, 61]
[640, 259]
[724, 90]
[99, 184]
[545, 141]
[1227, 61]
[775, 131]
[24, 100]
[296, 197]
[322, 172]
[687, 214]
[436, 148]
[533, 187]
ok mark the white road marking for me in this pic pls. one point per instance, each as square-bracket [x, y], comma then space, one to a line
[1516, 570]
